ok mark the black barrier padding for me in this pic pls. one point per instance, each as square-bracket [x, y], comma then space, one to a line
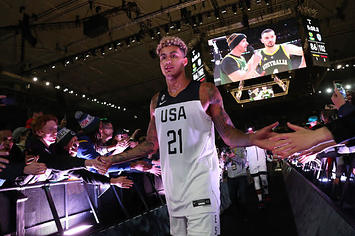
[154, 222]
[314, 212]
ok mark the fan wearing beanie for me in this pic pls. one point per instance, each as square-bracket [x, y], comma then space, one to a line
[234, 66]
[67, 142]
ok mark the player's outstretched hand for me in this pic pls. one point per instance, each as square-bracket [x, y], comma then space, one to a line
[261, 137]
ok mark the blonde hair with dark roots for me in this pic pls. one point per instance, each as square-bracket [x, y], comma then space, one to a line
[171, 41]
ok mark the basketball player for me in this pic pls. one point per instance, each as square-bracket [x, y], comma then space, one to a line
[182, 123]
[276, 58]
[234, 66]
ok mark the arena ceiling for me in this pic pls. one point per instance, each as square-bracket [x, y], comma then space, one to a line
[45, 38]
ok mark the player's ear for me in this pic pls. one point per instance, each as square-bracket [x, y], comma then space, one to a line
[185, 61]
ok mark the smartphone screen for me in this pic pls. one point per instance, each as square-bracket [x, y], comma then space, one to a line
[338, 85]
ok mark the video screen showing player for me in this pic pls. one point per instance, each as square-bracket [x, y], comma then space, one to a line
[257, 52]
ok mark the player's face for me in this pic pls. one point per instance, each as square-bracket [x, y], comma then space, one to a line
[242, 46]
[268, 39]
[172, 61]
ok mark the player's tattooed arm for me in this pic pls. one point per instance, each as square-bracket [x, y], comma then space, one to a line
[149, 146]
[224, 125]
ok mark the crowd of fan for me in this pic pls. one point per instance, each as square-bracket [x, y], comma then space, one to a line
[44, 150]
[331, 169]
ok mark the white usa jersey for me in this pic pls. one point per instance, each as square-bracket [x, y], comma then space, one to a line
[188, 153]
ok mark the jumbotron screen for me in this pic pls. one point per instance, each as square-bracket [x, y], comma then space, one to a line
[256, 52]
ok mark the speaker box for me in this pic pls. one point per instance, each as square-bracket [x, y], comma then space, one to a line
[95, 26]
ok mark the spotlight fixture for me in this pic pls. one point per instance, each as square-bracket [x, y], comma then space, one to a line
[151, 33]
[53, 67]
[348, 86]
[245, 20]
[248, 4]
[166, 28]
[224, 10]
[57, 87]
[339, 66]
[178, 26]
[329, 90]
[47, 83]
[216, 14]
[234, 8]
[35, 79]
[199, 19]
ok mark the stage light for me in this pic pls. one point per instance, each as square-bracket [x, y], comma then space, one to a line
[118, 107]
[76, 58]
[87, 55]
[35, 79]
[135, 117]
[178, 26]
[57, 87]
[124, 109]
[95, 100]
[224, 10]
[348, 86]
[339, 66]
[65, 90]
[199, 19]
[47, 83]
[329, 90]
[245, 20]
[216, 14]
[248, 4]
[77, 230]
[347, 65]
[151, 33]
[267, 2]
[71, 91]
[102, 51]
[319, 91]
[53, 67]
[234, 8]
[83, 95]
[258, 1]
[328, 69]
[166, 28]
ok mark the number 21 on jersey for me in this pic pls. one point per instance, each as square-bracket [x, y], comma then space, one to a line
[175, 141]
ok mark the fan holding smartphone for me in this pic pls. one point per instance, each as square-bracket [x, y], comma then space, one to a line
[339, 86]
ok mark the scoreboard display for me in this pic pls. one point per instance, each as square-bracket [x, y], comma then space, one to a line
[315, 41]
[198, 72]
